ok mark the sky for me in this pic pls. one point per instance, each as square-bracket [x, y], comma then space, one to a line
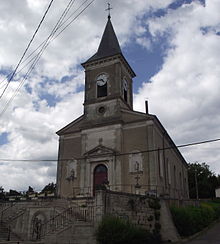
[173, 47]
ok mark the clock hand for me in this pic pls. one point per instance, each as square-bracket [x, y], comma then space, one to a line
[100, 80]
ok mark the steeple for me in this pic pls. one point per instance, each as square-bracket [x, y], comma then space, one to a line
[109, 44]
[108, 79]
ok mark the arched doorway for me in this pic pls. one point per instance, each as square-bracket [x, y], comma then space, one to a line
[100, 176]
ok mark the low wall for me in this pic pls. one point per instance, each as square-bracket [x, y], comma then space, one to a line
[149, 213]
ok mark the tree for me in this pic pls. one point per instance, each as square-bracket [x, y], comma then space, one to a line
[2, 194]
[50, 188]
[14, 193]
[30, 190]
[204, 178]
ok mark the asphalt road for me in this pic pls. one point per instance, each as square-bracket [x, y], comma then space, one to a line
[211, 236]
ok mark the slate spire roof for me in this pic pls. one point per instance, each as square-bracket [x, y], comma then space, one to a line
[109, 44]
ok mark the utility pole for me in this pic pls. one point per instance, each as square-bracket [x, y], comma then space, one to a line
[196, 185]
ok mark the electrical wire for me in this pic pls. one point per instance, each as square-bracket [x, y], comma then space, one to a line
[54, 30]
[114, 154]
[37, 57]
[56, 27]
[28, 46]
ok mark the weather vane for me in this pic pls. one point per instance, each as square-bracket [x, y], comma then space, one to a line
[109, 10]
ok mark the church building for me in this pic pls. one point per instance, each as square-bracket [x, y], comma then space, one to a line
[112, 161]
[111, 145]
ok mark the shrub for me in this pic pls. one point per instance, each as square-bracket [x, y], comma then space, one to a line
[190, 220]
[154, 203]
[113, 230]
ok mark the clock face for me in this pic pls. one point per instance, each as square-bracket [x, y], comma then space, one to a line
[102, 79]
[125, 84]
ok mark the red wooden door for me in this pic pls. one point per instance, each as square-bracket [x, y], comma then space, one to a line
[100, 176]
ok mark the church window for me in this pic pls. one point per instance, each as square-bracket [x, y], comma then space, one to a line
[125, 89]
[174, 175]
[180, 181]
[102, 87]
[125, 96]
[161, 166]
[102, 90]
[135, 162]
[101, 110]
[169, 173]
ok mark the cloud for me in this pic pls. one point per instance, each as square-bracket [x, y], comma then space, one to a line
[185, 93]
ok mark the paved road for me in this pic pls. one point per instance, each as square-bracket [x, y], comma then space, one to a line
[211, 236]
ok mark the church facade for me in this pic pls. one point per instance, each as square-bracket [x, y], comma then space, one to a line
[111, 145]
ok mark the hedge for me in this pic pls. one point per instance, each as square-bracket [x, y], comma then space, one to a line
[113, 230]
[190, 219]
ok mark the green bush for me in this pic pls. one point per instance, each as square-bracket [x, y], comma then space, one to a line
[154, 203]
[190, 220]
[113, 230]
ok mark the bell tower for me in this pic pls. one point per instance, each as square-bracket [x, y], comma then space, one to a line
[108, 79]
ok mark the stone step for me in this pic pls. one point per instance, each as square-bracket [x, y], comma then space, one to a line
[4, 234]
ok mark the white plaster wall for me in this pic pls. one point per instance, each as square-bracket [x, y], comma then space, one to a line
[217, 192]
[108, 135]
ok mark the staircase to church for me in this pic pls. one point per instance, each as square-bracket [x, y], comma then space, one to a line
[7, 235]
[11, 211]
[73, 222]
[74, 225]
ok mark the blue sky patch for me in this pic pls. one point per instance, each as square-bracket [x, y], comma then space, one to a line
[28, 88]
[4, 138]
[176, 4]
[207, 29]
[146, 63]
[51, 99]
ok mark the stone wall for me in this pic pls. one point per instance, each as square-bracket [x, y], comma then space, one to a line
[139, 210]
[150, 213]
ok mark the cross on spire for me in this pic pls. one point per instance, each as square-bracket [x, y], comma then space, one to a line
[109, 10]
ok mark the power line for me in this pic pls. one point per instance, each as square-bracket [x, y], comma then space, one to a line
[53, 32]
[116, 154]
[56, 27]
[38, 27]
[37, 57]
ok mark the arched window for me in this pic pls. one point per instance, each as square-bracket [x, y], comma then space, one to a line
[102, 86]
[102, 90]
[125, 89]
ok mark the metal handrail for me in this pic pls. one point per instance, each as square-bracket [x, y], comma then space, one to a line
[66, 217]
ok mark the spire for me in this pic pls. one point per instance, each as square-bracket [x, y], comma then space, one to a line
[109, 45]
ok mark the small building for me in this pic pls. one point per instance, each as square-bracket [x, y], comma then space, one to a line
[217, 192]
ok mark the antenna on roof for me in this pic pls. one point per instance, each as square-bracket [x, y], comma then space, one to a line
[109, 10]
